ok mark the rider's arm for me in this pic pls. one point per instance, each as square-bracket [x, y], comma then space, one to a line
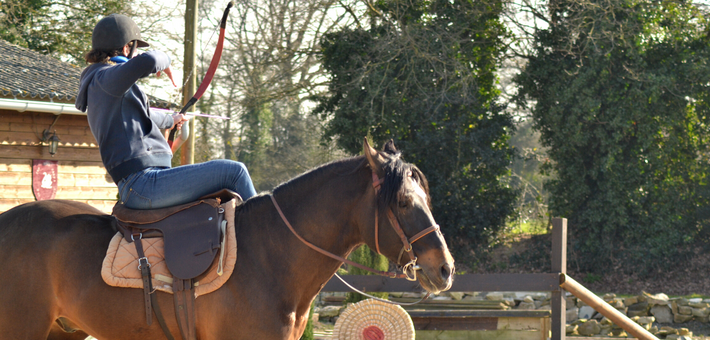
[162, 120]
[119, 79]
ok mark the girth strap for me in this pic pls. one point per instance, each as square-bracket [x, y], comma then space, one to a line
[149, 296]
[184, 293]
[159, 316]
[144, 267]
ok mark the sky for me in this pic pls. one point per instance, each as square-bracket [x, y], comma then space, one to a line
[162, 24]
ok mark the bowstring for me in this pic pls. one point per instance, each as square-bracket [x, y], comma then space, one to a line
[179, 90]
[205, 45]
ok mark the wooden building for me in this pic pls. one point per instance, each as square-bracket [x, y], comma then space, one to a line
[37, 95]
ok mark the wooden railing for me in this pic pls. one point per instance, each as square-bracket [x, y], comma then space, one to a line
[550, 282]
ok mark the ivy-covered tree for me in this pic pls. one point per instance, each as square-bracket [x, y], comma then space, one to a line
[423, 74]
[619, 92]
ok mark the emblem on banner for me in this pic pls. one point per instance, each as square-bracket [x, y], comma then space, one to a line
[44, 179]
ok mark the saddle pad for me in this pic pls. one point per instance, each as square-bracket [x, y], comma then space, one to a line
[120, 266]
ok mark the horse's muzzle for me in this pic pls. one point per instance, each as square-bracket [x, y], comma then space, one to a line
[435, 272]
[447, 274]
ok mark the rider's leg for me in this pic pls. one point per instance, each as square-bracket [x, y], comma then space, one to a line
[158, 188]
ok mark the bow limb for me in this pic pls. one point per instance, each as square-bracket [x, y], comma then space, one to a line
[210, 71]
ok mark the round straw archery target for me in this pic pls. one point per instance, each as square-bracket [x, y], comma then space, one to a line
[374, 320]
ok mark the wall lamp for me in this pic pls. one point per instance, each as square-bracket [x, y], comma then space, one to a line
[51, 138]
[52, 141]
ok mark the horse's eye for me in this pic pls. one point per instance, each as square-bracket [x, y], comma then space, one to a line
[404, 202]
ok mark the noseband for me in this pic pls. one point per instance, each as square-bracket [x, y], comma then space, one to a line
[409, 270]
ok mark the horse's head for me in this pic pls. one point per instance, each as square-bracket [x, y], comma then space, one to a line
[406, 232]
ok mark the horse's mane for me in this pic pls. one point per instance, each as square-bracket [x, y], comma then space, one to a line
[391, 190]
[341, 167]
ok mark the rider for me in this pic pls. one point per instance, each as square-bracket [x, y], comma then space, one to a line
[133, 150]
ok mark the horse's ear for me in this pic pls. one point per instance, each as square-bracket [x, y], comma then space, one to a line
[373, 157]
[389, 147]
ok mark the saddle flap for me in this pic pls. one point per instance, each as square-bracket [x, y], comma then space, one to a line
[192, 240]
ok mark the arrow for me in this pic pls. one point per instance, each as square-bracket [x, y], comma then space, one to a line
[189, 113]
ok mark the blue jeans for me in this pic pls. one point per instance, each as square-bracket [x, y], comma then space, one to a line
[154, 188]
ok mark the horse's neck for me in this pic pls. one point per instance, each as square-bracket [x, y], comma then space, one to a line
[323, 216]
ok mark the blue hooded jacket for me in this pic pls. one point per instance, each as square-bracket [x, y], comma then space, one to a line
[127, 131]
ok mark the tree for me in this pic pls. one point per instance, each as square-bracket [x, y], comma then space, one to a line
[618, 91]
[423, 74]
[531, 205]
[268, 70]
[60, 28]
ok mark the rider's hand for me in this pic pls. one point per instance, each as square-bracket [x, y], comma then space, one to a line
[178, 120]
[169, 73]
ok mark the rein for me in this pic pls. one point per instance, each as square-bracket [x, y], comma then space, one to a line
[426, 296]
[409, 270]
[327, 253]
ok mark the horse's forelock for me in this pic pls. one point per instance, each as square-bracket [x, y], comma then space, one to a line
[395, 171]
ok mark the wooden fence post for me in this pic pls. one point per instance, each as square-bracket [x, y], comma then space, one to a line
[559, 265]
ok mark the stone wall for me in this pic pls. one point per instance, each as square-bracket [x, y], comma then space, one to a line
[582, 320]
[645, 309]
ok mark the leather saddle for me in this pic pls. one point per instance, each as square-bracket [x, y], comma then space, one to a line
[192, 235]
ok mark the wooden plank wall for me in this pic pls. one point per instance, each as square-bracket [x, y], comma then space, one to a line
[508, 328]
[82, 176]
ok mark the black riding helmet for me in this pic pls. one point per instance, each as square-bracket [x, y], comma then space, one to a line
[115, 31]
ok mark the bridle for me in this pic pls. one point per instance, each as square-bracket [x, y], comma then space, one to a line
[411, 267]
[409, 270]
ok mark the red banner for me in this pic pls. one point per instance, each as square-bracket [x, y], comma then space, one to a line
[44, 179]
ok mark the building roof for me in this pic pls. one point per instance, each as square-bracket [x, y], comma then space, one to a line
[29, 75]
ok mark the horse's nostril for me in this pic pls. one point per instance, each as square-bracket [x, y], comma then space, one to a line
[446, 271]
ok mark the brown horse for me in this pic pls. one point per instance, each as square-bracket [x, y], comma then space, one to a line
[51, 254]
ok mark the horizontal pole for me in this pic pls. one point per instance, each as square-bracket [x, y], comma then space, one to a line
[540, 282]
[599, 305]
[467, 313]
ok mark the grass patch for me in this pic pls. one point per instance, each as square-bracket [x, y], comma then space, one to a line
[591, 278]
[529, 227]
